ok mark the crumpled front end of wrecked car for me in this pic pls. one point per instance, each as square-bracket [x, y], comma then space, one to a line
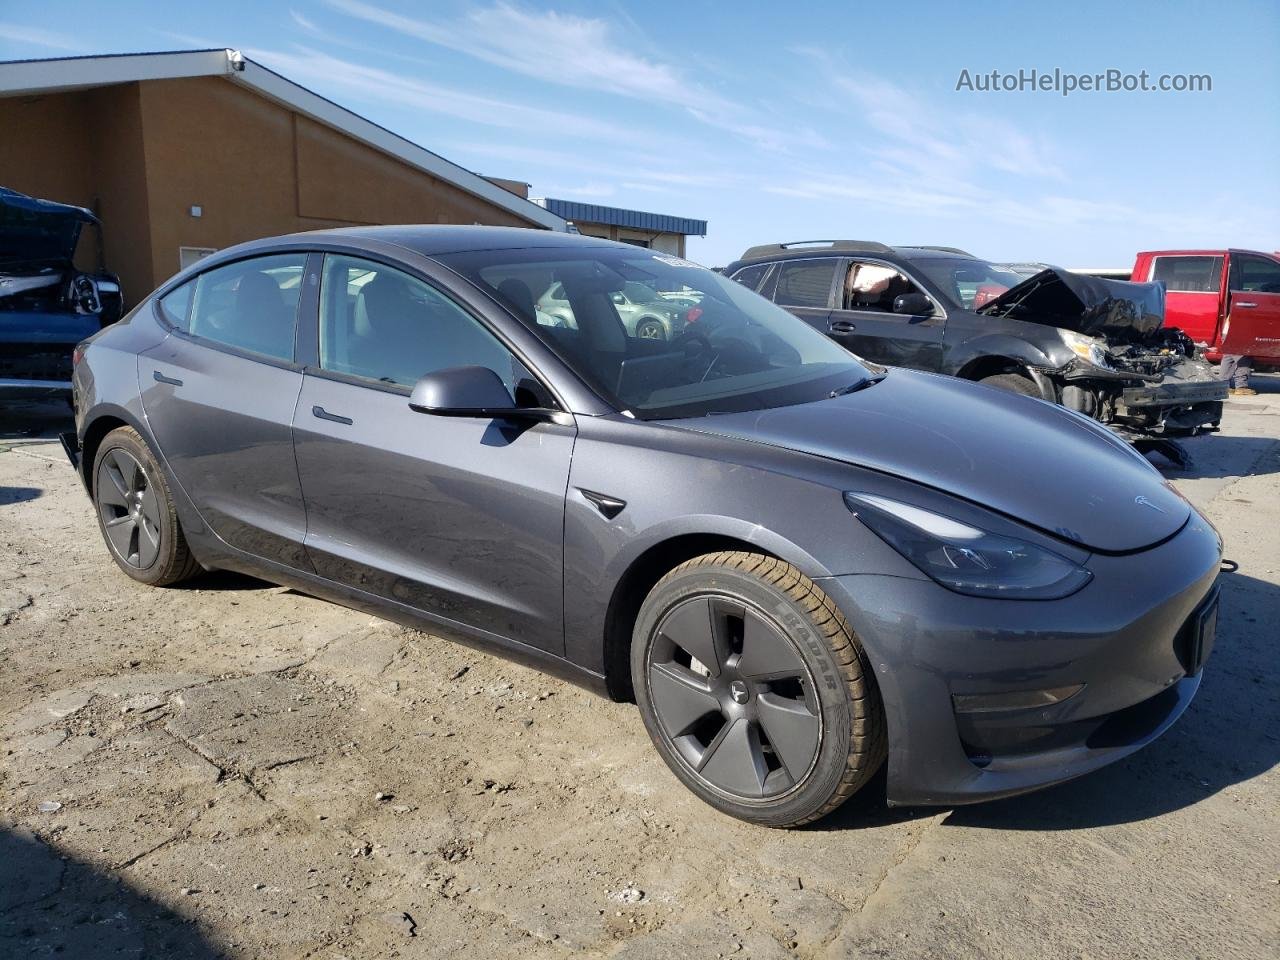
[1126, 369]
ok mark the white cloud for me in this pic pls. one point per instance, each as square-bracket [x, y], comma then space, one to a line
[920, 138]
[35, 36]
[339, 77]
[580, 52]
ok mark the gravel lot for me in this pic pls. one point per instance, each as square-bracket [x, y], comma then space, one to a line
[235, 769]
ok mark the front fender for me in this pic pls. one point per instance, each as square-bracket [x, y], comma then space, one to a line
[1037, 358]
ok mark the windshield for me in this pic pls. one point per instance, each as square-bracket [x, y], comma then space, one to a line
[714, 347]
[968, 283]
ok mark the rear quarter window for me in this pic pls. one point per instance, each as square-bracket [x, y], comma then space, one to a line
[751, 277]
[175, 306]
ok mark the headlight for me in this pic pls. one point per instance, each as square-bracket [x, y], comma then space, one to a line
[965, 559]
[1086, 348]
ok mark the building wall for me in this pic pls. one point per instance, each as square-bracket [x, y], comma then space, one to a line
[142, 154]
[672, 243]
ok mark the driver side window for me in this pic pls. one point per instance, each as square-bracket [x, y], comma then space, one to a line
[1250, 274]
[381, 324]
[874, 287]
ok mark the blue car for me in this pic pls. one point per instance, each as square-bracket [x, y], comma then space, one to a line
[47, 303]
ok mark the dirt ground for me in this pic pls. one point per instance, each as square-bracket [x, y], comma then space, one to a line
[235, 769]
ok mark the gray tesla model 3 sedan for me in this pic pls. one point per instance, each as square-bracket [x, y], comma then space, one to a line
[796, 563]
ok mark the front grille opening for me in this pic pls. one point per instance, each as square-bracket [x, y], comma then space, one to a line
[1134, 723]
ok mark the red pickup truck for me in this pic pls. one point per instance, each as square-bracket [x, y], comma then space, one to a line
[1227, 300]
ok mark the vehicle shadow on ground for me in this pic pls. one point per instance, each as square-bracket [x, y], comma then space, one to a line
[1229, 734]
[29, 419]
[55, 905]
[224, 580]
[10, 495]
[1216, 456]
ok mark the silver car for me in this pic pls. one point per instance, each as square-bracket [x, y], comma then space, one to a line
[645, 312]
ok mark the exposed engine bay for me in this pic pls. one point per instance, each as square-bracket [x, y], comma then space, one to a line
[1143, 379]
[56, 289]
[48, 304]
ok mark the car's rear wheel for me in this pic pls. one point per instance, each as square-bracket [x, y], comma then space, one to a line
[651, 329]
[755, 690]
[1013, 382]
[136, 513]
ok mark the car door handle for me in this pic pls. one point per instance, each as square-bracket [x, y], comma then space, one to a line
[324, 414]
[841, 326]
[1244, 304]
[161, 378]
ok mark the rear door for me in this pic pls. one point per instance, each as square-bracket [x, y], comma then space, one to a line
[807, 288]
[1193, 293]
[1252, 328]
[459, 518]
[219, 394]
[866, 323]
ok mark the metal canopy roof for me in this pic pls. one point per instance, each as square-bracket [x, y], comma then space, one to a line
[620, 217]
[63, 74]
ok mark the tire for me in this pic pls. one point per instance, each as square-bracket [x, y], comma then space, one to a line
[784, 722]
[1014, 383]
[651, 329]
[136, 514]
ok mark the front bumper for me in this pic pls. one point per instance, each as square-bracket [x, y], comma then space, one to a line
[1122, 637]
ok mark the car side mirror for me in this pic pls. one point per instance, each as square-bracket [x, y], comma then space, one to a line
[916, 304]
[618, 298]
[470, 392]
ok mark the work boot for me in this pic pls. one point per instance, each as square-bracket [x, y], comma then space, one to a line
[1242, 392]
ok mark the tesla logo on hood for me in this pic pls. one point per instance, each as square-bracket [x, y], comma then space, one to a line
[1143, 501]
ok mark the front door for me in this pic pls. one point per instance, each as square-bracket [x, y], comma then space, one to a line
[459, 518]
[866, 322]
[219, 394]
[1253, 308]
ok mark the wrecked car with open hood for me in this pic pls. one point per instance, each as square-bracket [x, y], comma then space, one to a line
[48, 304]
[1097, 346]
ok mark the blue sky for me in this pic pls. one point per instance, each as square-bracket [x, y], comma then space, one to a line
[789, 121]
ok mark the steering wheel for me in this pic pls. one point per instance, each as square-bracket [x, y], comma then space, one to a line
[692, 339]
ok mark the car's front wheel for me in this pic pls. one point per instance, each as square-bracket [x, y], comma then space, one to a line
[1013, 382]
[651, 329]
[136, 513]
[755, 689]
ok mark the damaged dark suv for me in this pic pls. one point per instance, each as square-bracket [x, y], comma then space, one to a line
[1097, 346]
[47, 303]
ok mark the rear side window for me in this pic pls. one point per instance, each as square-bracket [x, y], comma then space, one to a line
[175, 306]
[751, 277]
[805, 283]
[1189, 274]
[251, 304]
[1254, 274]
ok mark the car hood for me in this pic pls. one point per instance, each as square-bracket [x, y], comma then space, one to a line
[1112, 309]
[34, 230]
[1028, 459]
